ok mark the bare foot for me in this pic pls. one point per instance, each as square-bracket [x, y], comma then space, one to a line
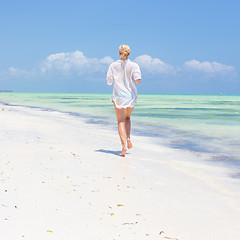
[123, 153]
[129, 143]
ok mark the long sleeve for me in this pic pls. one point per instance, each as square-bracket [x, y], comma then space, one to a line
[110, 76]
[136, 73]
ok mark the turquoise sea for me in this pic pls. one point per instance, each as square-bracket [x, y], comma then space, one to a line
[198, 123]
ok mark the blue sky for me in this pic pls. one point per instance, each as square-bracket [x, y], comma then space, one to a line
[182, 47]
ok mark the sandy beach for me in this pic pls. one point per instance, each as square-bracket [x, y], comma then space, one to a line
[62, 179]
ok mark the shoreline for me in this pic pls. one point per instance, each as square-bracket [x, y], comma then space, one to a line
[62, 178]
[161, 138]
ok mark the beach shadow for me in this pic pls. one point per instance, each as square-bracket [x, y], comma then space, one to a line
[117, 153]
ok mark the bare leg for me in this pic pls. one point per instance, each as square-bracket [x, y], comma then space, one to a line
[128, 126]
[120, 113]
[128, 113]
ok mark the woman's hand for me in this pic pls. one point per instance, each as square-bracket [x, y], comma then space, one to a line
[138, 81]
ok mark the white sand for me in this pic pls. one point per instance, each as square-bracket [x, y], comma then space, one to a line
[61, 179]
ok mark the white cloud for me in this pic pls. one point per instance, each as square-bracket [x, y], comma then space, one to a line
[16, 72]
[208, 67]
[74, 63]
[153, 65]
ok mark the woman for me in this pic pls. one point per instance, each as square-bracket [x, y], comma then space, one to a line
[124, 73]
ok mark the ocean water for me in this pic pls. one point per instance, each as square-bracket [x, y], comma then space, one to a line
[198, 123]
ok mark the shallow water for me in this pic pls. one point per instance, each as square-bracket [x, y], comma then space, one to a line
[208, 124]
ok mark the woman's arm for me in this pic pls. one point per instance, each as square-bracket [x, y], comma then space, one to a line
[138, 80]
[110, 76]
[136, 73]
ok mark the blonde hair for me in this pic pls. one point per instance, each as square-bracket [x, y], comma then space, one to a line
[124, 51]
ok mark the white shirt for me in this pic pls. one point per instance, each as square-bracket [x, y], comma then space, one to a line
[123, 74]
